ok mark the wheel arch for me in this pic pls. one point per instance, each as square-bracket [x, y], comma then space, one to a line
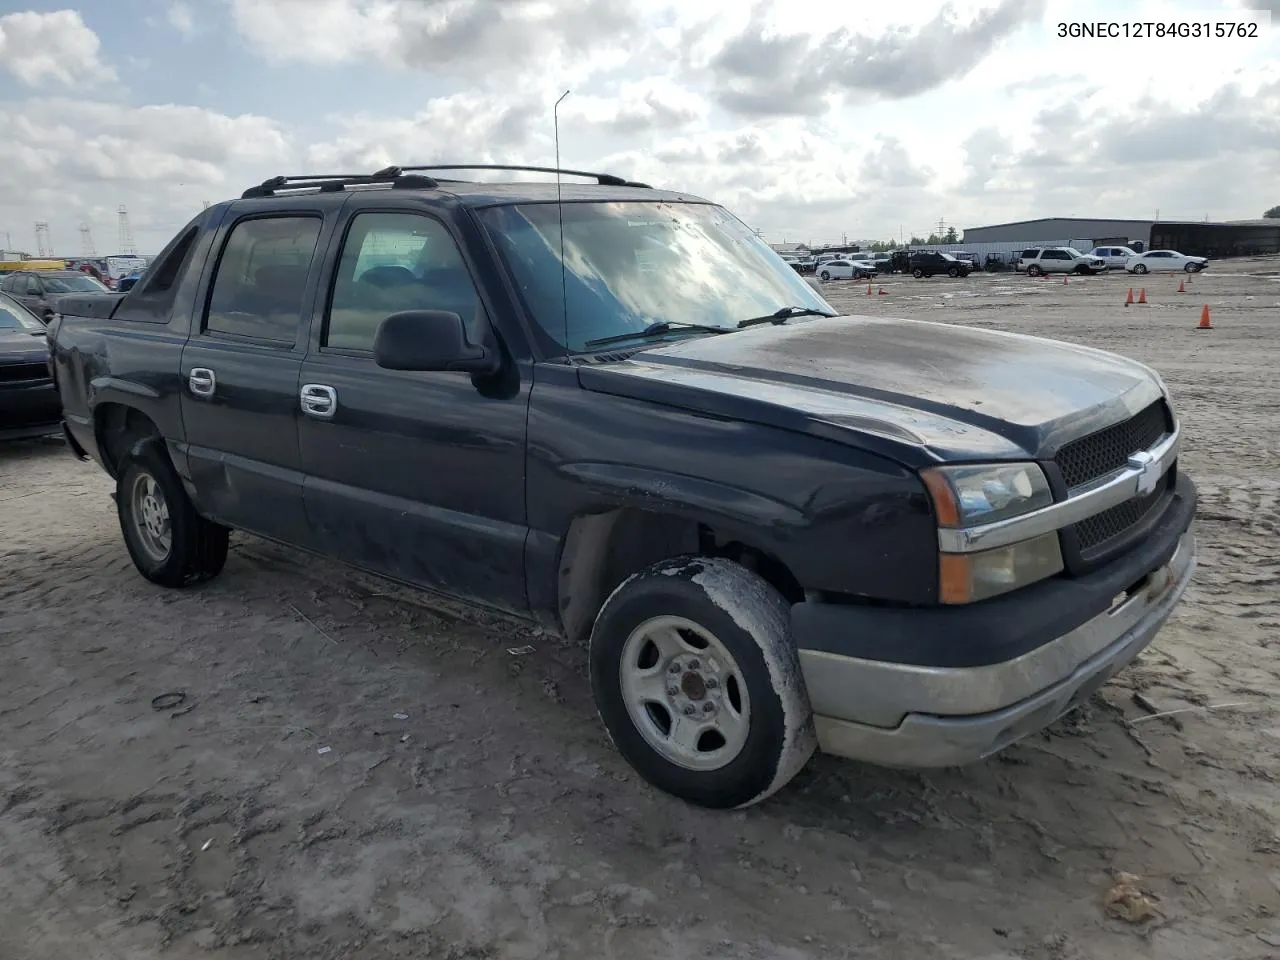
[600, 550]
[116, 427]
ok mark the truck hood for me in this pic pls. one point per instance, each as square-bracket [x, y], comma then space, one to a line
[922, 392]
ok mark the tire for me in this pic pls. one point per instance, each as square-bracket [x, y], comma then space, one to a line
[1140, 268]
[196, 548]
[749, 689]
[917, 273]
[1192, 268]
[1035, 270]
[953, 273]
[825, 275]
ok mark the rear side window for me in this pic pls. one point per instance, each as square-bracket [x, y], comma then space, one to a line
[261, 278]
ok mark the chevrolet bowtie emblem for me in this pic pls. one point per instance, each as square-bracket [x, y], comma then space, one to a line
[1148, 471]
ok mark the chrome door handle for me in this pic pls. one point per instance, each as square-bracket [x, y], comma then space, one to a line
[202, 382]
[319, 401]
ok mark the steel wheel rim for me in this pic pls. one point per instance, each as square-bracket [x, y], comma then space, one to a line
[150, 513]
[685, 693]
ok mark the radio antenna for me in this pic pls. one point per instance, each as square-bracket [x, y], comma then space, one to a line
[564, 281]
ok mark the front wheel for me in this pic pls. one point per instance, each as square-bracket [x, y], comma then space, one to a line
[917, 273]
[953, 273]
[170, 543]
[1192, 268]
[1140, 268]
[825, 275]
[698, 682]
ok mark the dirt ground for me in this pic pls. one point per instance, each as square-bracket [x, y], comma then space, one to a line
[283, 810]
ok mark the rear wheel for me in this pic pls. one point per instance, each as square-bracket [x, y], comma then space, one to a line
[917, 273]
[825, 275]
[953, 272]
[1035, 270]
[698, 682]
[170, 543]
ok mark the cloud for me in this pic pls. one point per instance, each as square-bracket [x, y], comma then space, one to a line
[460, 38]
[72, 160]
[57, 48]
[764, 73]
[463, 128]
[180, 17]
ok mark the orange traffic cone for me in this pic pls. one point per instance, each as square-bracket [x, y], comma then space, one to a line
[1142, 295]
[1204, 319]
[1064, 281]
[868, 289]
[882, 292]
[1182, 286]
[1128, 301]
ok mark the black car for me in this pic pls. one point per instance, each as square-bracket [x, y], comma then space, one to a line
[29, 405]
[40, 290]
[773, 528]
[930, 263]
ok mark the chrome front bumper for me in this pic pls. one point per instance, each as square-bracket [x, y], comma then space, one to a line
[910, 716]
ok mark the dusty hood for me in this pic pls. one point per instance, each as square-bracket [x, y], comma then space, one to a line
[946, 392]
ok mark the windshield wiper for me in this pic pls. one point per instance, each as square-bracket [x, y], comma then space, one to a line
[653, 330]
[783, 314]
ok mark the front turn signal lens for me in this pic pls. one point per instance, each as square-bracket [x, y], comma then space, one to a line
[970, 577]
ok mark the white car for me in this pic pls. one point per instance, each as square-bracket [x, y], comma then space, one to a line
[846, 270]
[1165, 260]
[1114, 257]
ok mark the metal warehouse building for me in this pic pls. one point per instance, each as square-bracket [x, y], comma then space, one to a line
[1236, 238]
[1065, 229]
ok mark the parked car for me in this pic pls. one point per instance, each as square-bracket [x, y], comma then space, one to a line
[929, 263]
[847, 270]
[969, 258]
[29, 404]
[125, 284]
[1165, 260]
[40, 290]
[1042, 260]
[1116, 258]
[948, 536]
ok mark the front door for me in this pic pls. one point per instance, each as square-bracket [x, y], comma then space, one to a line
[418, 476]
[240, 377]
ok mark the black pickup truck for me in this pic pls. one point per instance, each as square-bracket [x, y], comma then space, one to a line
[615, 411]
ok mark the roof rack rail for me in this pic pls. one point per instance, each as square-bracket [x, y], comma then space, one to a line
[604, 179]
[334, 182]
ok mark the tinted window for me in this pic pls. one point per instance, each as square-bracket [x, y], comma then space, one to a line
[80, 284]
[261, 278]
[1056, 255]
[1031, 254]
[14, 317]
[32, 287]
[393, 262]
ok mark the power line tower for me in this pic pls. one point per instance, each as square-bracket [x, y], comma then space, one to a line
[207, 204]
[126, 232]
[87, 248]
[44, 245]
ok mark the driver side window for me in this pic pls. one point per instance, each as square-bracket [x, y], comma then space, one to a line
[393, 262]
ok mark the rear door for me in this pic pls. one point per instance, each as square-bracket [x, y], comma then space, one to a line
[418, 476]
[240, 371]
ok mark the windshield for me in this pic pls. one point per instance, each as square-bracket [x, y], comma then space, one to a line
[633, 264]
[946, 256]
[78, 284]
[14, 317]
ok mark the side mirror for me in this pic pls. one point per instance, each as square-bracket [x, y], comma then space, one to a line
[430, 340]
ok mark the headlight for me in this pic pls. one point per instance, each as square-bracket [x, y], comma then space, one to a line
[966, 496]
[974, 495]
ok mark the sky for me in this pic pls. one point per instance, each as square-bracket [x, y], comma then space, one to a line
[813, 122]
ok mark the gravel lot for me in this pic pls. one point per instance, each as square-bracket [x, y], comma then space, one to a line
[496, 821]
